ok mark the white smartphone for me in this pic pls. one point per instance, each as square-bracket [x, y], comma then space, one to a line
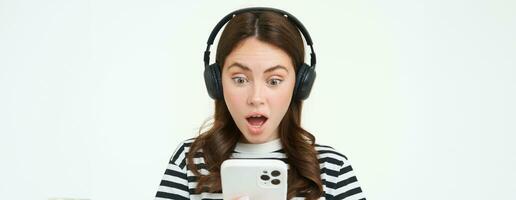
[259, 179]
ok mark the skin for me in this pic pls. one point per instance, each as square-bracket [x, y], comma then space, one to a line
[242, 198]
[258, 77]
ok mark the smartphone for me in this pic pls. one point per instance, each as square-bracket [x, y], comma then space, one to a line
[260, 179]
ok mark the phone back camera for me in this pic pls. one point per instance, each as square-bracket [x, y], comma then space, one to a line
[275, 181]
[275, 173]
[265, 177]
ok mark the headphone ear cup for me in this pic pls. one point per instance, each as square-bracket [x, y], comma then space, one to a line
[304, 81]
[213, 82]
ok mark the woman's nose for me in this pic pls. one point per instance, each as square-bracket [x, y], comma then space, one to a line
[256, 97]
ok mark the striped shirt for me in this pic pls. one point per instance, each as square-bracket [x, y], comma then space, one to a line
[179, 183]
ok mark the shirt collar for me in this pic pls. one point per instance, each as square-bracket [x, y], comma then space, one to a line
[267, 147]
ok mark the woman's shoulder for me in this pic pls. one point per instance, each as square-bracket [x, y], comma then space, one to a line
[188, 142]
[179, 155]
[338, 174]
[328, 154]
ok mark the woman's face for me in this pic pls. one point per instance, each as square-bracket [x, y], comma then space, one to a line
[258, 80]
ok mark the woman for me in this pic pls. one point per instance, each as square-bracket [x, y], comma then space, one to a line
[258, 82]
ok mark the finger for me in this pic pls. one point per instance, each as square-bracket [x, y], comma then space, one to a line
[244, 198]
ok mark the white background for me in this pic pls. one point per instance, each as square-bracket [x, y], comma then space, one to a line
[96, 95]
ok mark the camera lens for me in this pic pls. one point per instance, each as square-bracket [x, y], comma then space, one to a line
[275, 181]
[275, 173]
[265, 177]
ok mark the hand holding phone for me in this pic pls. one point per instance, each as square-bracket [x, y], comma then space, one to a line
[242, 198]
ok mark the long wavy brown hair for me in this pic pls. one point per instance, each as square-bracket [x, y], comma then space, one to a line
[217, 143]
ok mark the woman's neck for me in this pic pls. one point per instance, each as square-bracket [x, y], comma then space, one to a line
[266, 147]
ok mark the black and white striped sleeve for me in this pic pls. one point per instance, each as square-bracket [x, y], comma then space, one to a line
[347, 187]
[174, 184]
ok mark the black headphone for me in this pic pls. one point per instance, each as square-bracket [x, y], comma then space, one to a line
[305, 75]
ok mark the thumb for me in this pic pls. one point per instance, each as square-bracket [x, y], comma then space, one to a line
[244, 198]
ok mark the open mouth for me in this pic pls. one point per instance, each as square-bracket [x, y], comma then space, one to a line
[256, 120]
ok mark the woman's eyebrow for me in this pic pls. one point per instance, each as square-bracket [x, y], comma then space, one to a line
[275, 68]
[245, 68]
[235, 64]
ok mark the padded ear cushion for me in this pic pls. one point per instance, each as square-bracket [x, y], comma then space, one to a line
[304, 81]
[212, 79]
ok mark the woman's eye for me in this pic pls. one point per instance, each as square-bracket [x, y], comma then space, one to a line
[239, 80]
[275, 81]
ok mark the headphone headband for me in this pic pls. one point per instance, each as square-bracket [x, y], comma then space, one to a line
[230, 16]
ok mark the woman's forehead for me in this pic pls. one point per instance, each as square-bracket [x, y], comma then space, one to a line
[254, 55]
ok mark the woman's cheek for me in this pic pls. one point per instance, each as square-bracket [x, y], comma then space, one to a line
[236, 94]
[284, 96]
[235, 99]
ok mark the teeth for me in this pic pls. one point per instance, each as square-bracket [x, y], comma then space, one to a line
[256, 116]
